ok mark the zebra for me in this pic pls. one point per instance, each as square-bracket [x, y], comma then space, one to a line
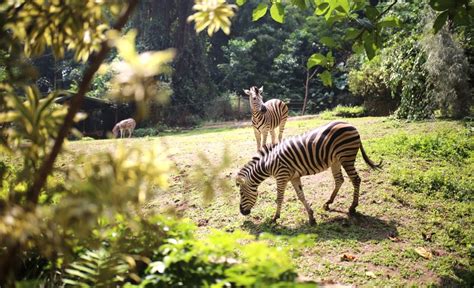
[333, 145]
[266, 116]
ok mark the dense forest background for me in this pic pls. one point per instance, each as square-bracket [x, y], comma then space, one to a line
[416, 75]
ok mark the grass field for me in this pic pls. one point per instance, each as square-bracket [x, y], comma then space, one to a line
[416, 217]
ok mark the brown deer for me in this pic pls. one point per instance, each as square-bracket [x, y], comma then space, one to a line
[124, 125]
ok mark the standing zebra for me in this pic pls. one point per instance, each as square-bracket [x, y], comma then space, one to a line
[332, 145]
[266, 116]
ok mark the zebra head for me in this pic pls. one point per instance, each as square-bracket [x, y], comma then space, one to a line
[248, 194]
[256, 99]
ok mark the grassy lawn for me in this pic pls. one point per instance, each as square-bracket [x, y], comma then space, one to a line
[399, 219]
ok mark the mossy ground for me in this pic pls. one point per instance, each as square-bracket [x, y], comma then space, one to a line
[391, 225]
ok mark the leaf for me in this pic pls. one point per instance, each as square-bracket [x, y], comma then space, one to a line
[348, 257]
[423, 253]
[372, 13]
[389, 21]
[441, 5]
[326, 78]
[316, 59]
[370, 274]
[369, 46]
[351, 33]
[345, 5]
[259, 12]
[300, 3]
[328, 41]
[241, 2]
[277, 12]
[322, 9]
[440, 20]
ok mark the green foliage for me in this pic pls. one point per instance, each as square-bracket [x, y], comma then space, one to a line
[447, 158]
[31, 23]
[447, 69]
[219, 259]
[343, 111]
[143, 132]
[449, 182]
[460, 13]
[96, 269]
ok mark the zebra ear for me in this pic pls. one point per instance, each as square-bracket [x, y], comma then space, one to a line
[247, 91]
[240, 180]
[260, 90]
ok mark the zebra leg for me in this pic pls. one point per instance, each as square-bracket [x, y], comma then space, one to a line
[355, 179]
[257, 136]
[281, 186]
[281, 128]
[338, 180]
[299, 192]
[272, 133]
[264, 137]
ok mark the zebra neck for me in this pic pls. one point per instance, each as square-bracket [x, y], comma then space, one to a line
[257, 115]
[259, 172]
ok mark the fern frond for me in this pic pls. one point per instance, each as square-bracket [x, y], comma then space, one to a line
[96, 268]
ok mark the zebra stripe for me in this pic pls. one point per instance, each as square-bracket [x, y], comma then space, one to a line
[331, 146]
[266, 116]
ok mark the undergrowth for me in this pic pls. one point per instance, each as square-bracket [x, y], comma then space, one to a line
[438, 163]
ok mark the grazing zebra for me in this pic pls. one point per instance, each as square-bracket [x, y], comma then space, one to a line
[332, 145]
[124, 125]
[266, 116]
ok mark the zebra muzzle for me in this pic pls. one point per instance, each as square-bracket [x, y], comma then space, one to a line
[244, 211]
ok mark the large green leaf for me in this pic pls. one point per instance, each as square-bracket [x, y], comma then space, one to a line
[321, 9]
[345, 5]
[316, 59]
[328, 41]
[441, 5]
[326, 78]
[440, 20]
[389, 21]
[277, 12]
[259, 12]
[369, 45]
[351, 33]
[300, 3]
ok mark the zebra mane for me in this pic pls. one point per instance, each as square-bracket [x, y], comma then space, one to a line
[266, 149]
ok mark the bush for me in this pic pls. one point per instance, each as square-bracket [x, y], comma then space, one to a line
[142, 132]
[177, 258]
[344, 111]
[447, 146]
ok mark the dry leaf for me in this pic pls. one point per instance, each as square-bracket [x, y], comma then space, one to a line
[394, 239]
[348, 257]
[423, 253]
[370, 274]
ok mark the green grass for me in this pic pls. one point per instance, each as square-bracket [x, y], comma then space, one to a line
[425, 188]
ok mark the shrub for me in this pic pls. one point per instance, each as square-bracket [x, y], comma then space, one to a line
[177, 258]
[344, 111]
[142, 132]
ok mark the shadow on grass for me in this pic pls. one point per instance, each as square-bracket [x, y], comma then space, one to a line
[359, 227]
[465, 278]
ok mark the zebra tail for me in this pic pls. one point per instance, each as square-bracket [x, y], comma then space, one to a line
[370, 162]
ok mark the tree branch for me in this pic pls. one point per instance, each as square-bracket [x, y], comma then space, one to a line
[76, 103]
[376, 19]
